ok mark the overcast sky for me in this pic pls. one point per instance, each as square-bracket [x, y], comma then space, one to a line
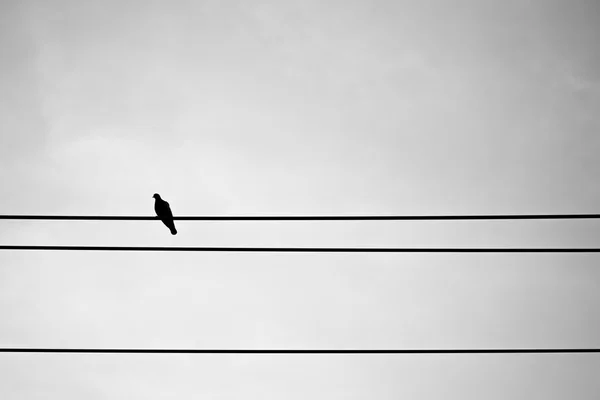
[299, 107]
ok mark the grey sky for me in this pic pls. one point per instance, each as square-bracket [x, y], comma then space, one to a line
[312, 107]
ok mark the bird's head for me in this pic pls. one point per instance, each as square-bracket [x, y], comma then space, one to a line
[156, 196]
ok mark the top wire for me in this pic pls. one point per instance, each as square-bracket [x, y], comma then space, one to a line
[307, 217]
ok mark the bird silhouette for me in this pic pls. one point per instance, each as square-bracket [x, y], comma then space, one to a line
[163, 212]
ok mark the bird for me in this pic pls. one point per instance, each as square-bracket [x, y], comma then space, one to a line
[163, 212]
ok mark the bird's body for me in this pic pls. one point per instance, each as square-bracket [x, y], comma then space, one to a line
[163, 212]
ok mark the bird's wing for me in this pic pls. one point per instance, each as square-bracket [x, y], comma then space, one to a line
[163, 210]
[167, 210]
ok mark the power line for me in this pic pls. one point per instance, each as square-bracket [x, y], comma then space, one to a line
[307, 249]
[307, 217]
[302, 351]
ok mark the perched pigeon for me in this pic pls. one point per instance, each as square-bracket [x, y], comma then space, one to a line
[163, 211]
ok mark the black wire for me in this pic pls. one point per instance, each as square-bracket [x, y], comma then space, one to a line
[307, 249]
[301, 351]
[307, 217]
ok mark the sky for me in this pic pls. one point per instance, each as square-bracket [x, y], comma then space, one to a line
[316, 107]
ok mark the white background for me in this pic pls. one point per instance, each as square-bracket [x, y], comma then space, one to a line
[287, 107]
